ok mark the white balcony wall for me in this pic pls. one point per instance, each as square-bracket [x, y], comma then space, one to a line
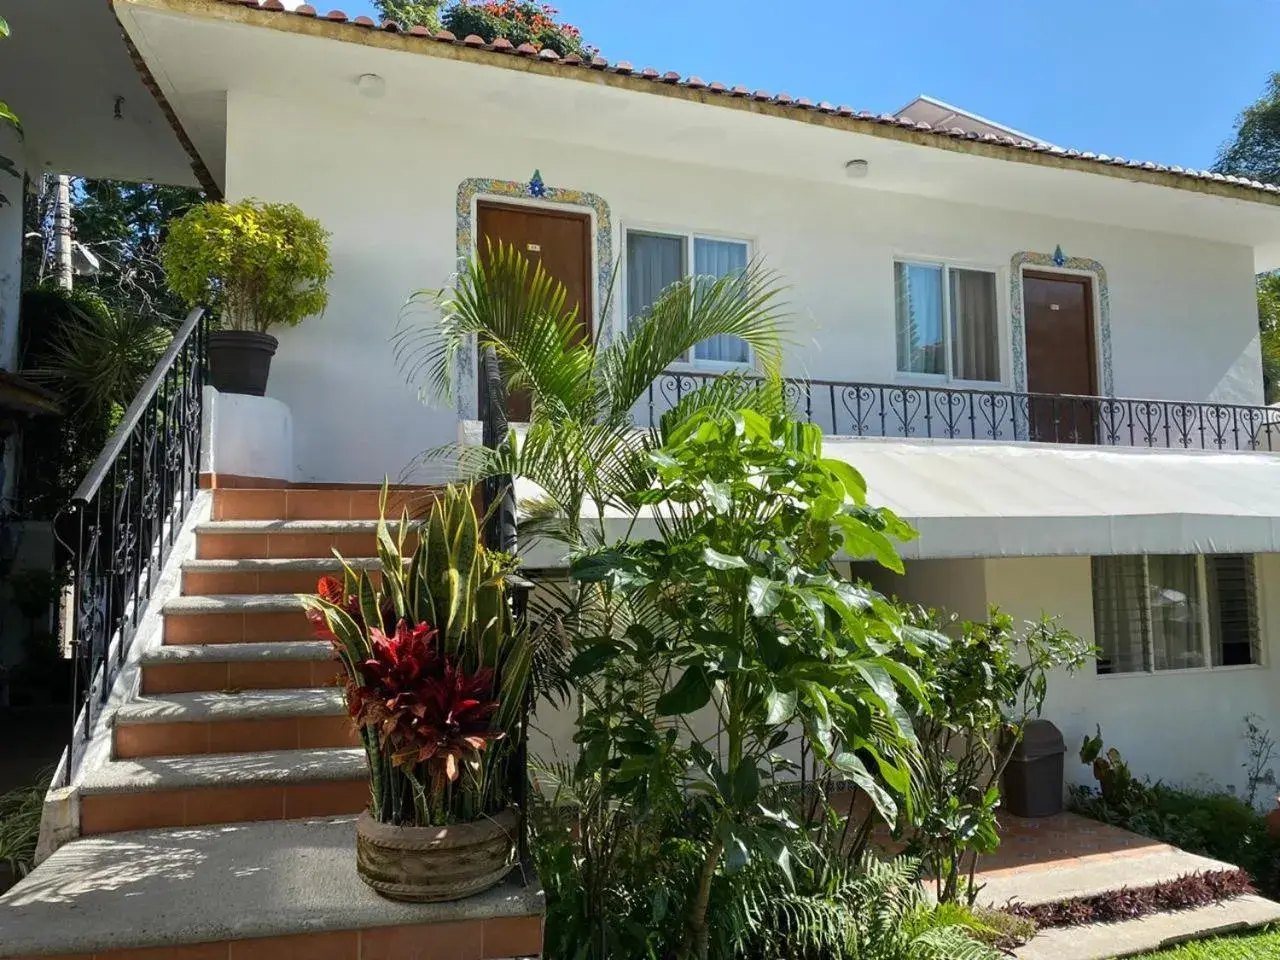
[1183, 318]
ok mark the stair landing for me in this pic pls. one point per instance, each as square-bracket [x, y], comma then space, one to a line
[223, 824]
[247, 891]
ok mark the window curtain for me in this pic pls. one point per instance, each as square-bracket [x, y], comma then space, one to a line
[918, 294]
[1119, 623]
[1233, 610]
[720, 258]
[654, 263]
[1177, 640]
[975, 338]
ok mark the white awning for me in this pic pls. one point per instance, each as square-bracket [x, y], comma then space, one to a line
[1026, 500]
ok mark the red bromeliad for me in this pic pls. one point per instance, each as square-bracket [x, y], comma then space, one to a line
[423, 708]
[331, 589]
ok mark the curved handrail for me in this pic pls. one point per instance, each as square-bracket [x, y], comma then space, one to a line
[102, 465]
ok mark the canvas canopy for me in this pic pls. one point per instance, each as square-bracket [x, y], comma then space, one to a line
[1026, 500]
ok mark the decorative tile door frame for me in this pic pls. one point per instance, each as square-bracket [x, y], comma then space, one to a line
[532, 193]
[1069, 266]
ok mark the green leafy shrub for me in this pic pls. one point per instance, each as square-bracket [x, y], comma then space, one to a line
[520, 21]
[20, 812]
[261, 264]
[1214, 824]
[982, 688]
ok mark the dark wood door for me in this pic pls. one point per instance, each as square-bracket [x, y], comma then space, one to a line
[560, 242]
[1058, 311]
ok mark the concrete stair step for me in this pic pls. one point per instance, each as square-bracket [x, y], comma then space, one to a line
[259, 576]
[317, 503]
[277, 539]
[178, 791]
[235, 618]
[1101, 941]
[238, 666]
[243, 887]
[215, 722]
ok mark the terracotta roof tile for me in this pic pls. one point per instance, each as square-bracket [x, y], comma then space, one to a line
[597, 62]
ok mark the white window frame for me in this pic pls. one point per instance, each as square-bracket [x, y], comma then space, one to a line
[947, 379]
[1206, 632]
[690, 362]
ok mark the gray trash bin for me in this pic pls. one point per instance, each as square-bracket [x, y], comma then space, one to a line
[1033, 782]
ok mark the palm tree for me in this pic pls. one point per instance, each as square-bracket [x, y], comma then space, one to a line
[581, 446]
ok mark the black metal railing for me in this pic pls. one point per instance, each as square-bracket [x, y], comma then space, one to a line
[123, 519]
[897, 410]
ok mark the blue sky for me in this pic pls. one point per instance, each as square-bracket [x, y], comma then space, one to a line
[1158, 80]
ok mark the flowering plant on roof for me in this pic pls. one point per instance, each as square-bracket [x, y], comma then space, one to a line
[519, 21]
[436, 669]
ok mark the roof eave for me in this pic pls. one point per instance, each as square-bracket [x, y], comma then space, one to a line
[443, 45]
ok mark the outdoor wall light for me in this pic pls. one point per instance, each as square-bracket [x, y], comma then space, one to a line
[371, 85]
[856, 169]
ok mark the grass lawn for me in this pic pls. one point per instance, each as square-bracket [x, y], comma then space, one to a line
[1259, 946]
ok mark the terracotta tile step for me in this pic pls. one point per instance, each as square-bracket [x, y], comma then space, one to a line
[235, 618]
[319, 503]
[239, 666]
[261, 891]
[282, 539]
[186, 791]
[264, 576]
[196, 723]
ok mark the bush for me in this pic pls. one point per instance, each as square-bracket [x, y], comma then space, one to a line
[20, 812]
[520, 21]
[262, 264]
[1212, 824]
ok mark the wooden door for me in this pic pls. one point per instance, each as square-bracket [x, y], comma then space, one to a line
[1061, 361]
[560, 241]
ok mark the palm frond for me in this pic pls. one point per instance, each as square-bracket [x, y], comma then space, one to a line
[744, 305]
[100, 357]
[503, 302]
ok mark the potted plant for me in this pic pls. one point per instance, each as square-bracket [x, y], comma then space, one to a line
[261, 265]
[436, 673]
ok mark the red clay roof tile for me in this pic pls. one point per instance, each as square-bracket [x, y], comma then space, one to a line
[623, 67]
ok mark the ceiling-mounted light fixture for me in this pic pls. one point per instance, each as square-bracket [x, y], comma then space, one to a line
[371, 85]
[856, 169]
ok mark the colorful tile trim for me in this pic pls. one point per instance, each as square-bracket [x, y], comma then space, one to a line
[477, 188]
[1068, 264]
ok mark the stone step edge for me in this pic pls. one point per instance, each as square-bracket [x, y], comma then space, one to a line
[295, 526]
[254, 880]
[1159, 931]
[232, 603]
[277, 565]
[221, 707]
[238, 652]
[196, 771]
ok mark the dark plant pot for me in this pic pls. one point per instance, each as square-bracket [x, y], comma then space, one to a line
[240, 361]
[429, 864]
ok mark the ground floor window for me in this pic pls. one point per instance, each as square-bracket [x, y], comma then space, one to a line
[1173, 612]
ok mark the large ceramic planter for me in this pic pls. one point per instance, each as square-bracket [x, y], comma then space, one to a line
[426, 864]
[240, 361]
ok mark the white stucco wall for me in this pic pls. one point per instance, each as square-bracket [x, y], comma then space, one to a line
[1183, 313]
[1182, 727]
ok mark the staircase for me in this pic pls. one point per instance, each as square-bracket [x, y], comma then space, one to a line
[223, 823]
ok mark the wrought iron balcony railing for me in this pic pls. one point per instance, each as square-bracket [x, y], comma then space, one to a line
[922, 412]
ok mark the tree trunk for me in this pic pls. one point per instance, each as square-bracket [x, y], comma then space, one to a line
[62, 232]
[695, 945]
